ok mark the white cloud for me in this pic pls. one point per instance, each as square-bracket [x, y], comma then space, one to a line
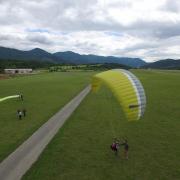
[135, 28]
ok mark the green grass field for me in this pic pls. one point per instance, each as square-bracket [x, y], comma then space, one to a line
[44, 95]
[81, 149]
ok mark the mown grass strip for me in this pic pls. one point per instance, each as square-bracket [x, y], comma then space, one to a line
[81, 149]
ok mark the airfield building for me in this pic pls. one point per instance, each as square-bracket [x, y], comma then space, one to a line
[18, 71]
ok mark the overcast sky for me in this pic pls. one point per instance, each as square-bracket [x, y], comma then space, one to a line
[149, 29]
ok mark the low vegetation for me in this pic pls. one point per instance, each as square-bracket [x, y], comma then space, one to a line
[81, 149]
[87, 67]
[44, 95]
[5, 64]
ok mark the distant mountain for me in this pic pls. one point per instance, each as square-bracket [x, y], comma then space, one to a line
[164, 64]
[39, 54]
[75, 58]
[34, 54]
[67, 57]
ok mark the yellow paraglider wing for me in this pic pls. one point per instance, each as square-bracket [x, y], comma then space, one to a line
[9, 97]
[126, 88]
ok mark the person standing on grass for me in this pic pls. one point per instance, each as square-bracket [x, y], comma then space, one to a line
[24, 112]
[21, 97]
[115, 146]
[19, 113]
[126, 148]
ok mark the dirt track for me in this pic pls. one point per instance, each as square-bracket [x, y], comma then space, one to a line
[4, 76]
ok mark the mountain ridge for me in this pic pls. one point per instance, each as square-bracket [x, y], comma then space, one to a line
[70, 57]
[163, 64]
[67, 57]
[91, 58]
[34, 54]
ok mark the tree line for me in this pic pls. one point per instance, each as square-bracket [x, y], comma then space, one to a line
[11, 64]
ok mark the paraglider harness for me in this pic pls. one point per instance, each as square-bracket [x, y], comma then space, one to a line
[114, 146]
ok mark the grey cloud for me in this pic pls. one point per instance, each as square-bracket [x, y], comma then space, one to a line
[151, 49]
[120, 4]
[41, 39]
[4, 37]
[80, 15]
[10, 37]
[86, 47]
[156, 29]
[145, 45]
[52, 15]
[171, 5]
[158, 54]
[11, 13]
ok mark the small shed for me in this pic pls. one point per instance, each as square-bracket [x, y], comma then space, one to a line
[18, 71]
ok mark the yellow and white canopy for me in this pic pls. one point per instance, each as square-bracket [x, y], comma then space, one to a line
[9, 97]
[127, 89]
